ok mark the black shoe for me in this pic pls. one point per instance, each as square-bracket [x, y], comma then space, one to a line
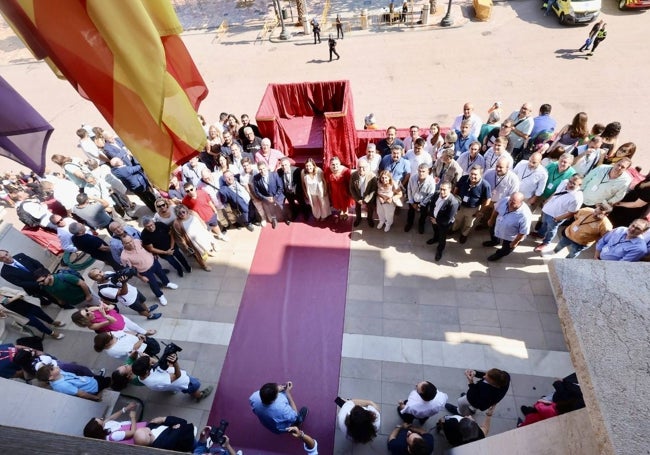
[462, 239]
[188, 269]
[494, 257]
[180, 273]
[287, 222]
[371, 222]
[525, 410]
[67, 306]
[491, 243]
[421, 229]
[451, 408]
[438, 256]
[274, 223]
[166, 271]
[249, 226]
[357, 222]
[153, 307]
[408, 227]
[432, 240]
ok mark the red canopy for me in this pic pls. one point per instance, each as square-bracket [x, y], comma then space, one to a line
[310, 119]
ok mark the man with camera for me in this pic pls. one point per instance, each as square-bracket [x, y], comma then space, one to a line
[214, 440]
[114, 288]
[167, 376]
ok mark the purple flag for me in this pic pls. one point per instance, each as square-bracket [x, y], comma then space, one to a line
[23, 132]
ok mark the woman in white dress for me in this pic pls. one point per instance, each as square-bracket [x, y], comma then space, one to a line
[194, 236]
[315, 190]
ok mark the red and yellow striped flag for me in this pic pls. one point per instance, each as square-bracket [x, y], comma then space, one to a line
[127, 58]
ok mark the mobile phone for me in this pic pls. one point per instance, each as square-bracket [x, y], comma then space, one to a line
[339, 402]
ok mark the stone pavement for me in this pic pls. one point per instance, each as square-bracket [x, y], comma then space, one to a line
[407, 317]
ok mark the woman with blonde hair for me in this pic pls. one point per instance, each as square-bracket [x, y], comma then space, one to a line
[386, 193]
[315, 189]
[193, 235]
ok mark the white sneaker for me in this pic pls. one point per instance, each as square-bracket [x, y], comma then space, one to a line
[387, 227]
[263, 223]
[223, 237]
[380, 225]
[163, 300]
[171, 285]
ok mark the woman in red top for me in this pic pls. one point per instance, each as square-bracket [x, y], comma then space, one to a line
[104, 318]
[338, 185]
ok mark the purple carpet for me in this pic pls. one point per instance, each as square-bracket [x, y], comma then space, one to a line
[289, 327]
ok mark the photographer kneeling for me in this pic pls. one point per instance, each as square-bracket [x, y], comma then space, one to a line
[213, 440]
[113, 287]
[167, 376]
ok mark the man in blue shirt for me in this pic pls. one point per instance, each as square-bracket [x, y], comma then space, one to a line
[474, 193]
[543, 122]
[274, 406]
[623, 244]
[398, 166]
[406, 439]
[87, 387]
[509, 223]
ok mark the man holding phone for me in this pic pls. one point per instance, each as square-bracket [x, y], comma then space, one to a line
[274, 406]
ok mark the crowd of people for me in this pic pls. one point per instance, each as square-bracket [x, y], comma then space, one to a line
[462, 179]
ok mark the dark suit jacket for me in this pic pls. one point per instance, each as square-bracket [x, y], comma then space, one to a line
[447, 212]
[21, 278]
[179, 439]
[131, 176]
[370, 194]
[296, 181]
[276, 188]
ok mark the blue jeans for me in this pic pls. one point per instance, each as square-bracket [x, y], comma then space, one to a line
[574, 248]
[549, 228]
[156, 270]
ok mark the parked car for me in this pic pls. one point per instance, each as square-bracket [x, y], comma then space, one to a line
[633, 4]
[577, 11]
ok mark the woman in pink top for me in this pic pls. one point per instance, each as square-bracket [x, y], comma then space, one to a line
[104, 318]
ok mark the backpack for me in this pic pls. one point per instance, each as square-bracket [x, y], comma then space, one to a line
[69, 272]
[105, 297]
[27, 218]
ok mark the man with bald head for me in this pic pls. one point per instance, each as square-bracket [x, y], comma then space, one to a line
[523, 123]
[509, 224]
[468, 115]
[532, 178]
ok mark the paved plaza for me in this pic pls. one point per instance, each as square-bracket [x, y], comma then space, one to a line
[407, 317]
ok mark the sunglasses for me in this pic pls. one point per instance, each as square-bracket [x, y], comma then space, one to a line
[160, 206]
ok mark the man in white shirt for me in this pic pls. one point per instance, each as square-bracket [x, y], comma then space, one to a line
[589, 156]
[474, 120]
[563, 205]
[173, 379]
[471, 157]
[523, 123]
[423, 402]
[417, 156]
[420, 189]
[532, 178]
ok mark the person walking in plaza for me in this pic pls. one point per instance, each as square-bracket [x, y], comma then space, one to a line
[315, 27]
[339, 27]
[592, 35]
[600, 37]
[331, 42]
[274, 406]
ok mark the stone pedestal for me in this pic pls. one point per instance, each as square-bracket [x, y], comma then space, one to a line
[604, 308]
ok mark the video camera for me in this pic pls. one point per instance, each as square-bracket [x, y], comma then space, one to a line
[128, 272]
[217, 434]
[170, 349]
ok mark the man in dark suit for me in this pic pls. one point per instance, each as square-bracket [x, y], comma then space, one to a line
[178, 434]
[293, 191]
[268, 187]
[19, 271]
[134, 180]
[363, 188]
[442, 212]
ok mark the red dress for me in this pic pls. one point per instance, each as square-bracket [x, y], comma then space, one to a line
[339, 188]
